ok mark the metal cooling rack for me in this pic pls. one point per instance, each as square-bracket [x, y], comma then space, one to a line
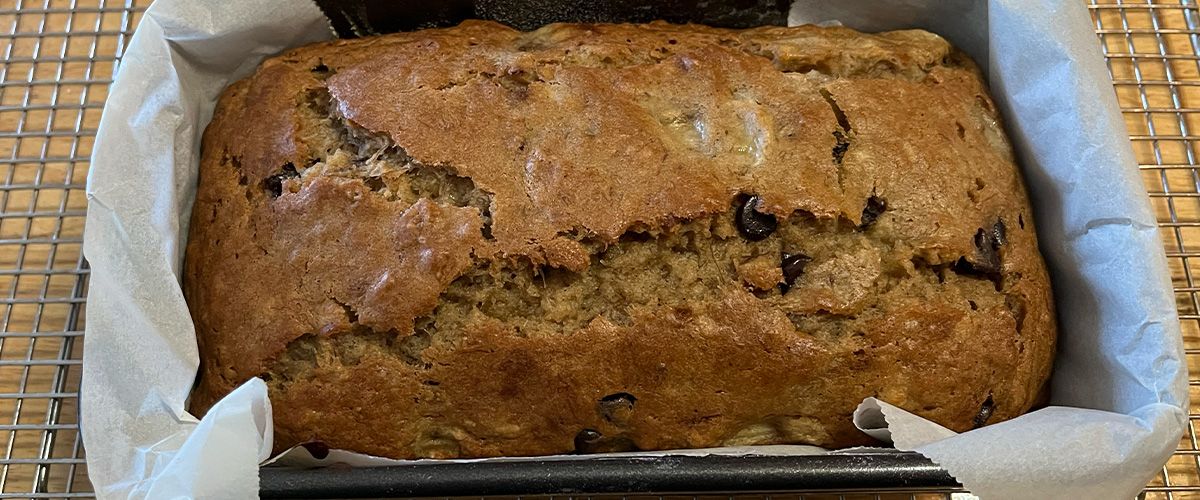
[59, 57]
[1153, 53]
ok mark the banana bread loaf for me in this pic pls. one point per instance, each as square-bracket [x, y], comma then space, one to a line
[476, 241]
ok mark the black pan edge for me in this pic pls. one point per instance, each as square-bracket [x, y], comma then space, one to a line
[659, 475]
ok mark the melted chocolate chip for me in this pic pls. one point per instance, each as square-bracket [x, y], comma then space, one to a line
[875, 207]
[274, 183]
[752, 224]
[588, 441]
[792, 266]
[999, 234]
[617, 407]
[985, 249]
[317, 449]
[987, 258]
[624, 397]
[987, 252]
[985, 412]
[839, 150]
[591, 441]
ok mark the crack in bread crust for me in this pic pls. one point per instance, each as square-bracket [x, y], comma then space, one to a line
[484, 242]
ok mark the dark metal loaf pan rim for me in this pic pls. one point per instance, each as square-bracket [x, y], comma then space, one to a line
[645, 475]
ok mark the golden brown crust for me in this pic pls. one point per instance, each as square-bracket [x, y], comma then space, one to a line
[374, 217]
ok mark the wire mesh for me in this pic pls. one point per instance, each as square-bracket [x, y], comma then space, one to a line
[1153, 53]
[59, 56]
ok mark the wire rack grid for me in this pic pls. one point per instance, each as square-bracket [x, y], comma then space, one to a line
[58, 59]
[1153, 53]
[59, 56]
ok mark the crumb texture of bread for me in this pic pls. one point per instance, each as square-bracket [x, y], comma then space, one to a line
[476, 241]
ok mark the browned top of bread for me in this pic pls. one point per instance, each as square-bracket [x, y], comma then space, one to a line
[475, 241]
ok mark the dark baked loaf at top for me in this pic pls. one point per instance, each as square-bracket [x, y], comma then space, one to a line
[475, 241]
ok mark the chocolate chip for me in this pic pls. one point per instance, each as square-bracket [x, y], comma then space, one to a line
[754, 225]
[985, 412]
[792, 266]
[623, 397]
[986, 260]
[839, 150]
[999, 234]
[985, 249]
[317, 449]
[875, 207]
[588, 441]
[616, 408]
[274, 183]
[591, 441]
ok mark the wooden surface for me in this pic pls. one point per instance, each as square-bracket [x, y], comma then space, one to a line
[45, 139]
[40, 261]
[1163, 118]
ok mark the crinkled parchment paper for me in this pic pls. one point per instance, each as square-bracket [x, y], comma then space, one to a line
[1119, 388]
